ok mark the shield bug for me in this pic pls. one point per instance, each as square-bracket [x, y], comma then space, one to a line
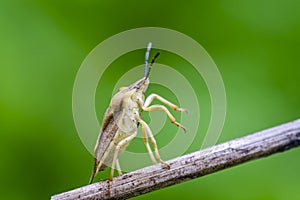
[122, 119]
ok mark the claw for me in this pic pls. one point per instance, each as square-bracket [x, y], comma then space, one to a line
[182, 110]
[179, 125]
[165, 164]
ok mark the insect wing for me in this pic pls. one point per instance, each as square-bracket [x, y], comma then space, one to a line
[107, 133]
[124, 120]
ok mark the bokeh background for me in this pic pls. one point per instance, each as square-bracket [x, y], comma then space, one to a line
[255, 45]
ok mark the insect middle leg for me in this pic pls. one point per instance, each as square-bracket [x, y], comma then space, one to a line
[150, 135]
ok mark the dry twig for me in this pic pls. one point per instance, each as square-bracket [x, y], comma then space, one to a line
[200, 163]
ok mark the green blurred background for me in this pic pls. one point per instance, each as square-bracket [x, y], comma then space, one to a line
[255, 45]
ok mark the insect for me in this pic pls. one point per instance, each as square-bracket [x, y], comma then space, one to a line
[121, 121]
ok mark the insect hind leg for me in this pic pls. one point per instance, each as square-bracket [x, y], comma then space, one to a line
[153, 141]
[118, 167]
[145, 139]
[115, 158]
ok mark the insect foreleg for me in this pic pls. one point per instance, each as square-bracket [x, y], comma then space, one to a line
[150, 135]
[151, 97]
[171, 117]
[117, 149]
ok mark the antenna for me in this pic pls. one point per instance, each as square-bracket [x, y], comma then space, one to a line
[150, 67]
[147, 57]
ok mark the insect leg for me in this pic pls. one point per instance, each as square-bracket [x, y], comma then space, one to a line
[145, 139]
[100, 162]
[118, 167]
[151, 97]
[172, 118]
[149, 133]
[118, 146]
